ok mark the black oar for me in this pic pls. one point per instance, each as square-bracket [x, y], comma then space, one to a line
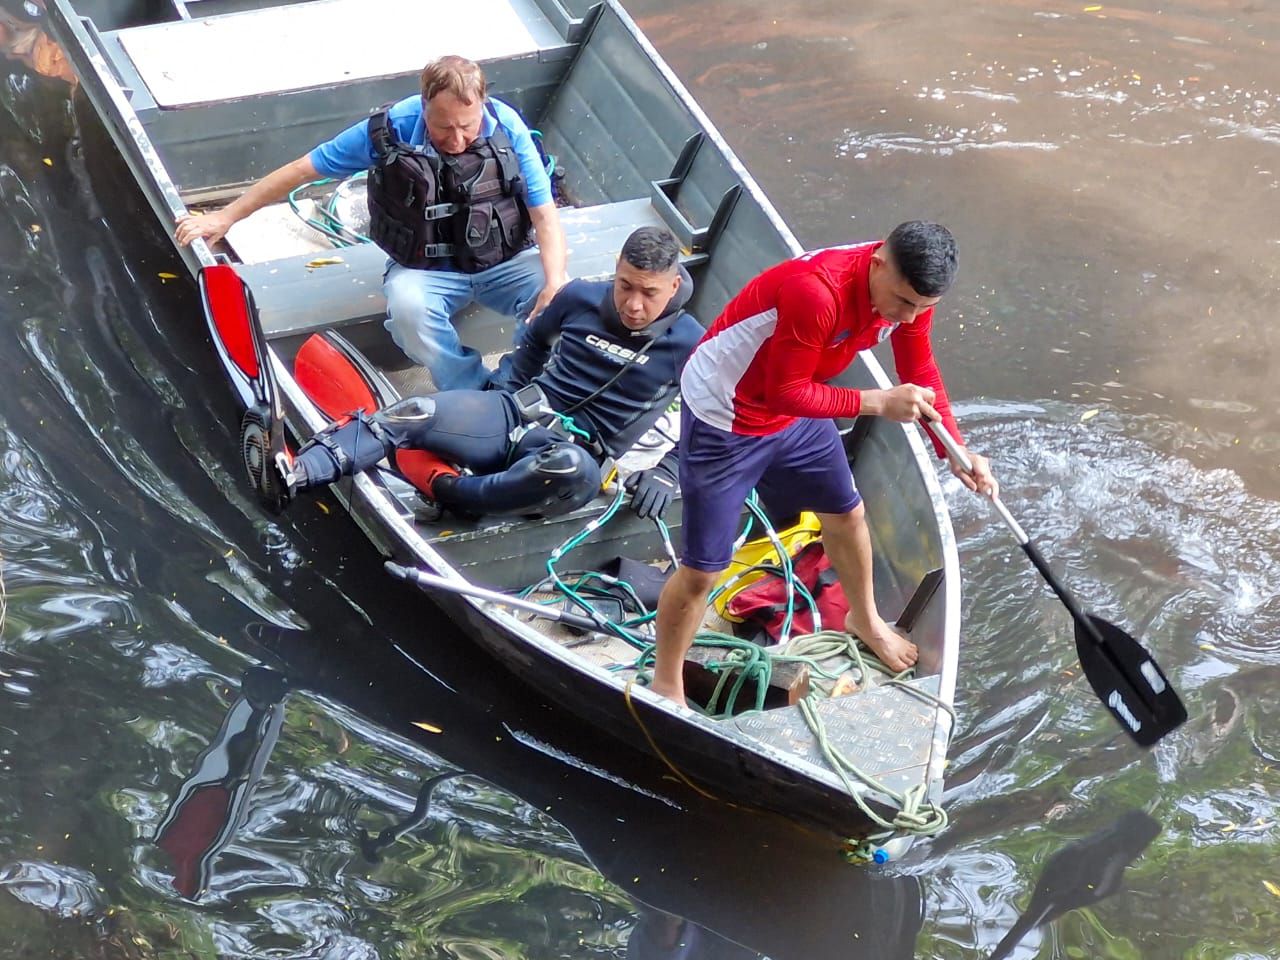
[1082, 873]
[1122, 673]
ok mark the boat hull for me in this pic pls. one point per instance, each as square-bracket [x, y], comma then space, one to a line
[605, 68]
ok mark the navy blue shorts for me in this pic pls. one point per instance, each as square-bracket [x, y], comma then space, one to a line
[800, 468]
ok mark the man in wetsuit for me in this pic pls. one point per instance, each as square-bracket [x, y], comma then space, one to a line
[457, 191]
[588, 376]
[757, 412]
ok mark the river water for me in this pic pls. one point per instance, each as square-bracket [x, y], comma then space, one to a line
[1112, 175]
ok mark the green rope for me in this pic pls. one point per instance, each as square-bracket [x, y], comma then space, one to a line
[784, 559]
[830, 654]
[667, 545]
[573, 594]
[916, 813]
[330, 224]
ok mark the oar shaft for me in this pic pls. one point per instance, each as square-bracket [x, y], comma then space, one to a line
[955, 452]
[1011, 523]
[1081, 618]
[431, 581]
[1160, 710]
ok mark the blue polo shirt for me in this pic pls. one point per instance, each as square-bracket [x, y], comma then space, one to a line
[352, 150]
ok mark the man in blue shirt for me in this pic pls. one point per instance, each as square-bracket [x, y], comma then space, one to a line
[471, 167]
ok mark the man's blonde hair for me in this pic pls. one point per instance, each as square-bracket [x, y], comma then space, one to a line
[457, 75]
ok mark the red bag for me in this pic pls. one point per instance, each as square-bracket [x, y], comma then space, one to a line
[764, 603]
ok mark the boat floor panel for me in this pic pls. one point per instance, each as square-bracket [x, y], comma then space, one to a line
[509, 553]
[886, 732]
[331, 42]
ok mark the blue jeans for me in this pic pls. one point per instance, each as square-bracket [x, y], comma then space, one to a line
[422, 303]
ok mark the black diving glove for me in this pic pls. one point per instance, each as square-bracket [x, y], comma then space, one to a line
[652, 491]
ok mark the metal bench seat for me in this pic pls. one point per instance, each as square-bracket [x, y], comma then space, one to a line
[295, 298]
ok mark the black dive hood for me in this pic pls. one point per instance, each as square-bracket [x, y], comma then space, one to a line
[613, 323]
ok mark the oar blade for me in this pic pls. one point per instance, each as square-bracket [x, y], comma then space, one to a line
[1129, 682]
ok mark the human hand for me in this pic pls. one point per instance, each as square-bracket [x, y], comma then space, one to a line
[907, 403]
[651, 492]
[980, 479]
[544, 297]
[211, 226]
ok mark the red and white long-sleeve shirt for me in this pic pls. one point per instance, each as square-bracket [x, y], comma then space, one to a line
[766, 359]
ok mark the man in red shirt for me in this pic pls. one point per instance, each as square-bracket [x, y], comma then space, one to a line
[757, 412]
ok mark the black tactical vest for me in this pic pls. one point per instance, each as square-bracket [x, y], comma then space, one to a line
[431, 211]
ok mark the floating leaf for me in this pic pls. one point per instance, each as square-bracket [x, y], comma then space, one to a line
[429, 727]
[1271, 888]
[1089, 414]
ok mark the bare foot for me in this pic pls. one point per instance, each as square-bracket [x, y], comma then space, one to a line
[671, 692]
[893, 648]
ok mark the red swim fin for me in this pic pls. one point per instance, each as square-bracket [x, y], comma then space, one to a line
[192, 832]
[237, 335]
[341, 382]
[331, 380]
[242, 347]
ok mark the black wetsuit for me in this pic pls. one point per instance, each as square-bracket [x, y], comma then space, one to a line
[613, 382]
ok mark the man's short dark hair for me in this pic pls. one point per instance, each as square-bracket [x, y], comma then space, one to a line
[652, 249]
[925, 255]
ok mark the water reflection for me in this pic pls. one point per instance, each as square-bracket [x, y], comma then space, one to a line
[744, 883]
[213, 801]
[372, 847]
[23, 38]
[673, 885]
[1082, 873]
[676, 882]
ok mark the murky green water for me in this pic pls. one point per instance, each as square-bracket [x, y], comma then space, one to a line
[1112, 177]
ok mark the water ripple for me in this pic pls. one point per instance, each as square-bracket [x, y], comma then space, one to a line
[55, 888]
